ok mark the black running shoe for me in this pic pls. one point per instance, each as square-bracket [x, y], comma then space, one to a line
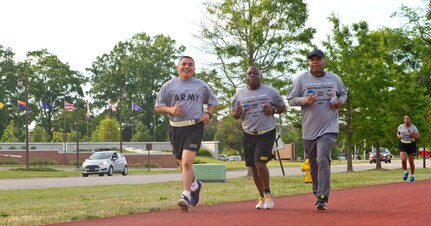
[195, 195]
[321, 202]
[184, 203]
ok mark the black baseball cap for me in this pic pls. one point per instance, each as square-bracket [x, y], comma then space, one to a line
[316, 52]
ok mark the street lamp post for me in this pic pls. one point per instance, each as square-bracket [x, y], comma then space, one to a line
[123, 94]
[23, 83]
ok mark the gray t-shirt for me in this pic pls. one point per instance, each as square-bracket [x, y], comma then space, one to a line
[253, 101]
[319, 118]
[191, 94]
[405, 133]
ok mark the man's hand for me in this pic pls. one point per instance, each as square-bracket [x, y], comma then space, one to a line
[237, 112]
[336, 104]
[177, 110]
[205, 118]
[309, 100]
[267, 109]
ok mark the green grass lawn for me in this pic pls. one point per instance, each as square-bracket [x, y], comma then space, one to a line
[71, 171]
[55, 205]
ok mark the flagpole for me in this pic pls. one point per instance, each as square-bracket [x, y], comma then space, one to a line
[110, 125]
[77, 132]
[64, 132]
[133, 120]
[88, 117]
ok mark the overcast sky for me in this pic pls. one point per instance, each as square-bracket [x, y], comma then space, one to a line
[78, 31]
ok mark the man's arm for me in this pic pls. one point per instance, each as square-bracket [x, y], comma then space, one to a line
[176, 110]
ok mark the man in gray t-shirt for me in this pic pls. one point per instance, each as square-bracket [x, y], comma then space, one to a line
[256, 105]
[183, 99]
[320, 94]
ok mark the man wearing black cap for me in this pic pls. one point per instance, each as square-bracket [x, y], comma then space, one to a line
[320, 94]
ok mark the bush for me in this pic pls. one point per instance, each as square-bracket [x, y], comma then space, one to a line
[36, 169]
[33, 147]
[197, 161]
[230, 151]
[42, 162]
[203, 152]
[152, 165]
[23, 147]
[12, 148]
[10, 162]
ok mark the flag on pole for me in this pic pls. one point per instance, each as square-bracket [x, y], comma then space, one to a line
[135, 107]
[68, 107]
[1, 105]
[112, 106]
[22, 104]
[46, 105]
[88, 114]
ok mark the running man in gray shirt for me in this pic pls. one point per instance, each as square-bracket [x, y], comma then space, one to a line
[320, 94]
[183, 99]
[256, 105]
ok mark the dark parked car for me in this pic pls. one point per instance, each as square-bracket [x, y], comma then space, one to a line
[385, 155]
[105, 162]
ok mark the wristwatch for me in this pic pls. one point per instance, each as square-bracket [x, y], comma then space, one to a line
[209, 113]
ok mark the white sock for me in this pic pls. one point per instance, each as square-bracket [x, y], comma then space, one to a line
[187, 194]
[195, 186]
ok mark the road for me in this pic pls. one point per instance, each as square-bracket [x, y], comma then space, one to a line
[26, 183]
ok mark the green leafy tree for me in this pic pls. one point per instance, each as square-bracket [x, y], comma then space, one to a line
[138, 66]
[38, 134]
[229, 134]
[8, 81]
[53, 81]
[210, 130]
[108, 130]
[10, 133]
[142, 133]
[266, 33]
[381, 85]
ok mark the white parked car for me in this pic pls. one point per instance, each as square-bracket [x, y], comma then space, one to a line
[234, 158]
[105, 162]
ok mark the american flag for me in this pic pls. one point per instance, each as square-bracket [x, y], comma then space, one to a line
[88, 114]
[112, 106]
[69, 107]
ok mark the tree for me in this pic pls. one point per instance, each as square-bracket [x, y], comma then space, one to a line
[10, 133]
[38, 134]
[108, 130]
[242, 33]
[377, 78]
[229, 134]
[139, 66]
[53, 81]
[8, 80]
[142, 134]
[210, 130]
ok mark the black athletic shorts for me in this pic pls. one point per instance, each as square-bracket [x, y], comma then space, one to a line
[187, 137]
[409, 148]
[258, 148]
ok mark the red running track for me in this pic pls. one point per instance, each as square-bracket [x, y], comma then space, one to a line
[391, 204]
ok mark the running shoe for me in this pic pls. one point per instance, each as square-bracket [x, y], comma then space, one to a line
[184, 203]
[269, 202]
[412, 179]
[406, 174]
[195, 195]
[260, 203]
[321, 203]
